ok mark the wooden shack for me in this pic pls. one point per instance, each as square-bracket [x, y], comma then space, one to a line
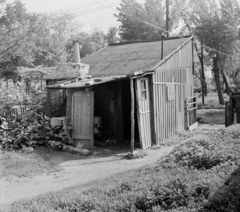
[138, 96]
[56, 99]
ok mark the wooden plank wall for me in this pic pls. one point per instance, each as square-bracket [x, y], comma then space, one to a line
[56, 97]
[177, 71]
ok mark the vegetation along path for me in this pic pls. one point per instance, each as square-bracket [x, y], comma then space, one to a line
[83, 172]
[74, 172]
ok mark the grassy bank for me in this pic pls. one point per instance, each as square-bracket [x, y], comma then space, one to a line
[200, 175]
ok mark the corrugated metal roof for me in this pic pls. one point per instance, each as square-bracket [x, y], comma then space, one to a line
[83, 83]
[129, 58]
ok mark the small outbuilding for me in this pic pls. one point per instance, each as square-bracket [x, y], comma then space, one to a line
[138, 92]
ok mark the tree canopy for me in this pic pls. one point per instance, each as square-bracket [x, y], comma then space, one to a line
[132, 16]
[18, 28]
[32, 39]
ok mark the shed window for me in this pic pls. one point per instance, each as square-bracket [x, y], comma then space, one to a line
[144, 89]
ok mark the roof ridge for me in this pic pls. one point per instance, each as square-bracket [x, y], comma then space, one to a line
[147, 41]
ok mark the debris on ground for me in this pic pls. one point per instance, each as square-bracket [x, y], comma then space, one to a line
[76, 150]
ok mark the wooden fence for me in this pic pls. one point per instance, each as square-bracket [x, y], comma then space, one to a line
[191, 112]
[16, 110]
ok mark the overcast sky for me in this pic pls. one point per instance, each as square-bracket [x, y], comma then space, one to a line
[90, 12]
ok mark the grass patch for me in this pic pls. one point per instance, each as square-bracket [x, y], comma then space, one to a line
[197, 176]
[211, 100]
[211, 116]
[19, 164]
[173, 140]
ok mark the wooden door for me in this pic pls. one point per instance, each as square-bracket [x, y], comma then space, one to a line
[143, 110]
[83, 118]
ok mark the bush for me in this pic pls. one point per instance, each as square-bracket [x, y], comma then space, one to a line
[31, 130]
[201, 155]
[194, 177]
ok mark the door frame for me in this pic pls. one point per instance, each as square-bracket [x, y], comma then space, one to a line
[138, 89]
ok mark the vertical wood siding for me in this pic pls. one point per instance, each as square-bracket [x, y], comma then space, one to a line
[56, 99]
[173, 78]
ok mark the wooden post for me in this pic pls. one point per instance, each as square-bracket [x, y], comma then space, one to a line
[48, 103]
[167, 18]
[162, 47]
[132, 114]
[202, 78]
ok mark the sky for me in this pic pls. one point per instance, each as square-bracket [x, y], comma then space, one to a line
[89, 12]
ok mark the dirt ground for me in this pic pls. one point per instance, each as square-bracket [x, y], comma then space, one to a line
[73, 170]
[70, 173]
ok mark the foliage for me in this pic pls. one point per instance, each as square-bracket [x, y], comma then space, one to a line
[52, 40]
[18, 27]
[31, 39]
[12, 94]
[112, 35]
[89, 43]
[132, 16]
[215, 24]
[189, 179]
[31, 130]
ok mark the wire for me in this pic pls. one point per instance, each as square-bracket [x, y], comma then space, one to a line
[81, 13]
[187, 22]
[217, 51]
[145, 22]
[72, 9]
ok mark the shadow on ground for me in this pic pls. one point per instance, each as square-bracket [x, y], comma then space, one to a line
[101, 150]
[227, 197]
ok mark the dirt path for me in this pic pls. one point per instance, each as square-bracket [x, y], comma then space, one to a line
[76, 172]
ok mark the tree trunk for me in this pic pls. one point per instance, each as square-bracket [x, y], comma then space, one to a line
[204, 84]
[225, 80]
[216, 72]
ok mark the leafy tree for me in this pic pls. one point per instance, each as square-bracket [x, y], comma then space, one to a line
[215, 23]
[17, 27]
[134, 17]
[52, 40]
[112, 35]
[89, 43]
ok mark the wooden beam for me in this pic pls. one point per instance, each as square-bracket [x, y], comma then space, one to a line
[48, 103]
[152, 116]
[132, 114]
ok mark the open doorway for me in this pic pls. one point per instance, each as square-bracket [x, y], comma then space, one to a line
[126, 114]
[112, 112]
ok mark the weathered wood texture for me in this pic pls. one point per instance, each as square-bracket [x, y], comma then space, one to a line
[144, 112]
[56, 100]
[69, 94]
[191, 110]
[132, 114]
[82, 118]
[172, 84]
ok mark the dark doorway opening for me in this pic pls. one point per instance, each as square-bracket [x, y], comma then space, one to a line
[126, 114]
